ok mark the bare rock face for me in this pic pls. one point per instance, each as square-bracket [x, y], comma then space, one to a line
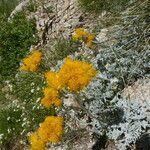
[56, 17]
[139, 91]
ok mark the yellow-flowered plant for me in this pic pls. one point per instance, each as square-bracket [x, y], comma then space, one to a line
[89, 41]
[81, 34]
[51, 97]
[76, 74]
[73, 75]
[50, 130]
[54, 80]
[32, 62]
[36, 142]
[51, 93]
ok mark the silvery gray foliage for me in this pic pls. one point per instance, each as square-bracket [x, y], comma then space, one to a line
[136, 120]
[129, 58]
[98, 102]
[124, 65]
[121, 119]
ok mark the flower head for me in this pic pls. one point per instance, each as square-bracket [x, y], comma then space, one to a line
[89, 41]
[81, 34]
[51, 129]
[32, 62]
[51, 97]
[36, 142]
[77, 74]
[54, 80]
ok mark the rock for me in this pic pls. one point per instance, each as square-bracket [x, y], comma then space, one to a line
[139, 91]
[65, 17]
[143, 143]
[67, 25]
[70, 101]
[41, 22]
[102, 36]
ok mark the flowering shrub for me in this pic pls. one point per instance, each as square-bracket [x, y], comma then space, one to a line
[32, 62]
[73, 75]
[95, 104]
[51, 93]
[36, 142]
[81, 34]
[50, 130]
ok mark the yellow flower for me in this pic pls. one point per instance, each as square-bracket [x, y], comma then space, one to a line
[50, 93]
[51, 129]
[49, 102]
[81, 34]
[80, 31]
[51, 97]
[76, 74]
[33, 67]
[36, 142]
[89, 44]
[90, 37]
[32, 62]
[54, 80]
[89, 41]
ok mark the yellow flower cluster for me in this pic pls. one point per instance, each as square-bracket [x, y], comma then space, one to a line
[36, 142]
[73, 75]
[32, 62]
[51, 130]
[81, 34]
[76, 74]
[51, 97]
[54, 80]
